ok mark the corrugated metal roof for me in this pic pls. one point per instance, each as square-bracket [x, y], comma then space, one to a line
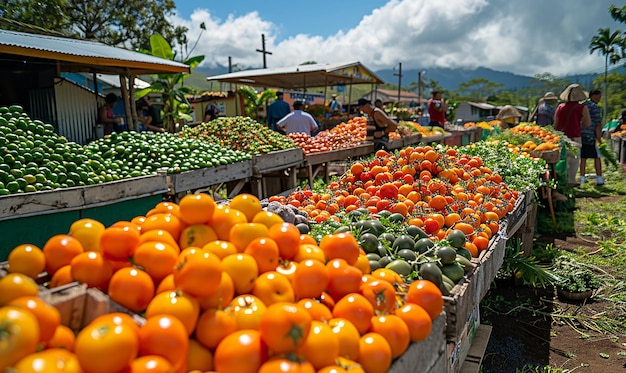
[85, 56]
[482, 105]
[302, 76]
[114, 81]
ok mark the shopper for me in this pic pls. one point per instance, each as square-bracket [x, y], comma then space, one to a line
[571, 117]
[276, 111]
[590, 137]
[546, 109]
[437, 108]
[298, 121]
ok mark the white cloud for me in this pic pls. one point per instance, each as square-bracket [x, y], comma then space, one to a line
[526, 37]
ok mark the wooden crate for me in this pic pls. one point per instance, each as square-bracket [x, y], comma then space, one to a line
[550, 156]
[120, 190]
[277, 160]
[433, 138]
[477, 349]
[205, 177]
[427, 356]
[516, 218]
[78, 198]
[526, 232]
[412, 139]
[80, 305]
[459, 346]
[395, 144]
[489, 262]
[459, 304]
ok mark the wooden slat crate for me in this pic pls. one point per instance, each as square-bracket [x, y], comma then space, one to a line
[80, 305]
[204, 177]
[459, 346]
[459, 304]
[427, 356]
[278, 160]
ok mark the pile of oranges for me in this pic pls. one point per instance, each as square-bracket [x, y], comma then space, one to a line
[227, 288]
[436, 190]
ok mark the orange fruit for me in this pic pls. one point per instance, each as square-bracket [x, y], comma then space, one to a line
[242, 234]
[196, 235]
[196, 208]
[268, 218]
[223, 219]
[220, 248]
[59, 251]
[16, 285]
[27, 259]
[248, 204]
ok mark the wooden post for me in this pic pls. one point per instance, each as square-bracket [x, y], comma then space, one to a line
[133, 124]
[125, 97]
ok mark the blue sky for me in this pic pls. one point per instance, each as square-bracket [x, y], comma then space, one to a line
[334, 14]
[525, 37]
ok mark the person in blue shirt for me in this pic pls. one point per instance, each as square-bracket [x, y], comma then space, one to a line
[277, 111]
[591, 136]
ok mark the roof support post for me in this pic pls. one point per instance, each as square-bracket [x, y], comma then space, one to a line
[133, 124]
[125, 98]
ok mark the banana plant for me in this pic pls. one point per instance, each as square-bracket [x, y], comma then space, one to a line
[170, 86]
[253, 100]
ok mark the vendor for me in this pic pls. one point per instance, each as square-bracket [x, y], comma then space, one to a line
[107, 118]
[509, 117]
[378, 125]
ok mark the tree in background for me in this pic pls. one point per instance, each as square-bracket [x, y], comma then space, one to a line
[126, 23]
[610, 45]
[170, 86]
[478, 89]
[253, 100]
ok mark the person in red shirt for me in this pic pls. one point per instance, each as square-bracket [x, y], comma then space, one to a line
[437, 108]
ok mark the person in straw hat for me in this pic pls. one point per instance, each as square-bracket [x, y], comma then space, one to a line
[546, 109]
[572, 115]
[570, 118]
[508, 116]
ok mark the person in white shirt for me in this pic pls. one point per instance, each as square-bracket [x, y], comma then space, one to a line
[298, 121]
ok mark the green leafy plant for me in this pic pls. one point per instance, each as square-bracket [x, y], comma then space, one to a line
[170, 86]
[573, 276]
[526, 269]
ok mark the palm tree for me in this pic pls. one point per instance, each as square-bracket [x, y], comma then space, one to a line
[609, 45]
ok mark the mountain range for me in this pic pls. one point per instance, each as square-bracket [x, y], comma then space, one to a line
[447, 78]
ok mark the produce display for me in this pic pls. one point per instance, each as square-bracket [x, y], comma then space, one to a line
[240, 133]
[341, 277]
[342, 136]
[544, 138]
[230, 288]
[422, 212]
[406, 127]
[514, 164]
[131, 154]
[34, 158]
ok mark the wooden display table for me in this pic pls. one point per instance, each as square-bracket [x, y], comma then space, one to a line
[434, 138]
[412, 139]
[35, 217]
[201, 179]
[316, 162]
[273, 168]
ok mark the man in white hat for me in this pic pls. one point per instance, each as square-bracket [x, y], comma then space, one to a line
[546, 109]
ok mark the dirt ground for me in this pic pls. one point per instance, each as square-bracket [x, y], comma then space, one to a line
[521, 336]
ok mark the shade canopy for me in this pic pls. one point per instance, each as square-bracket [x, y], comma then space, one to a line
[71, 55]
[302, 76]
